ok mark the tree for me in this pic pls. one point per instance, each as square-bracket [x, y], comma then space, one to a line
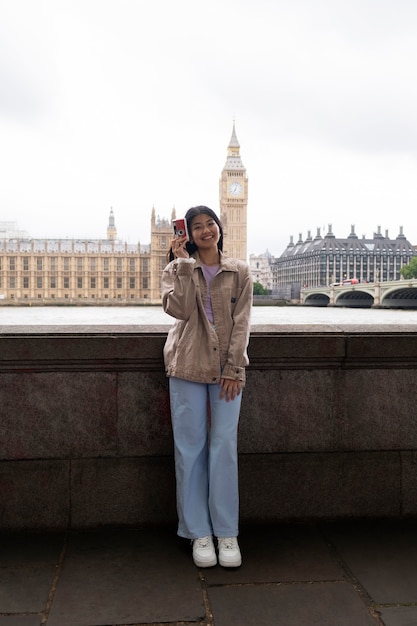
[410, 270]
[259, 290]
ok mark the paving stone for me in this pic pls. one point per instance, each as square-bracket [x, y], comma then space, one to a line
[399, 616]
[303, 604]
[20, 620]
[126, 577]
[26, 589]
[283, 552]
[383, 556]
[18, 549]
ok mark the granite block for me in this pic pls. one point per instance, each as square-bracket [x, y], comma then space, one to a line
[409, 483]
[144, 418]
[290, 411]
[319, 486]
[57, 415]
[124, 491]
[34, 494]
[380, 408]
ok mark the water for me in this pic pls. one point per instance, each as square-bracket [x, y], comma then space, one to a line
[154, 315]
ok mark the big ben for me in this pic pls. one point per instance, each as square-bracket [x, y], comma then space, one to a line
[234, 202]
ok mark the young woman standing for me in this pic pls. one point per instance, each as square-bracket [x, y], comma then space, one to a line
[205, 354]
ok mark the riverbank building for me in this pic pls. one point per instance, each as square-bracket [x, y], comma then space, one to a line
[108, 270]
[322, 261]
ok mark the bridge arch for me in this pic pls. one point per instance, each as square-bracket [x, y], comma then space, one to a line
[317, 299]
[399, 298]
[357, 299]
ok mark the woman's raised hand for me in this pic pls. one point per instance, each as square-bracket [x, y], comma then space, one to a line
[178, 247]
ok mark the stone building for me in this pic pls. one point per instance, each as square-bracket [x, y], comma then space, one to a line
[261, 269]
[93, 271]
[321, 261]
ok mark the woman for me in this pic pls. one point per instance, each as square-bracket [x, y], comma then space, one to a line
[205, 354]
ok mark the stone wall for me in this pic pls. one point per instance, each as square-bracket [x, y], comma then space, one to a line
[328, 426]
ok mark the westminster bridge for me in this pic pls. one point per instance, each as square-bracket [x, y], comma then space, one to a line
[399, 294]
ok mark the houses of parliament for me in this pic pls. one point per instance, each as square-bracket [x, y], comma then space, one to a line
[105, 271]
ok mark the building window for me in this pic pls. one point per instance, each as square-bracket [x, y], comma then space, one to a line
[66, 282]
[132, 264]
[53, 282]
[118, 283]
[39, 264]
[25, 263]
[93, 283]
[12, 282]
[145, 265]
[93, 265]
[52, 262]
[105, 282]
[66, 264]
[39, 282]
[132, 283]
[26, 282]
[119, 265]
[79, 264]
[145, 282]
[12, 263]
[79, 282]
[106, 265]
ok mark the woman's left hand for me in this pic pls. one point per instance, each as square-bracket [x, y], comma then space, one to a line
[230, 388]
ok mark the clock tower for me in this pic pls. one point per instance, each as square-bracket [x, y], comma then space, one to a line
[234, 202]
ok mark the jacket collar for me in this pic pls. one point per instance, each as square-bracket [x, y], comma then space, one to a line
[226, 263]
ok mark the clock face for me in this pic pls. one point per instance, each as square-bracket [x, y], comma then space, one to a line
[235, 189]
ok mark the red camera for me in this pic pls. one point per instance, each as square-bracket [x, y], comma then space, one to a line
[180, 228]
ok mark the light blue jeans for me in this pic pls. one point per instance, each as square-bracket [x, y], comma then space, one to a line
[206, 462]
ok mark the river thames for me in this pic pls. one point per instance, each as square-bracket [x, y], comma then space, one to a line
[154, 315]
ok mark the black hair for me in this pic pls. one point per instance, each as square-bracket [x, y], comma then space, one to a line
[189, 216]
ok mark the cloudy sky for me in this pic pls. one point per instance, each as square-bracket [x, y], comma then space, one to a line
[130, 104]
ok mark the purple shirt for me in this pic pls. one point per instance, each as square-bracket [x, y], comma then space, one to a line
[209, 272]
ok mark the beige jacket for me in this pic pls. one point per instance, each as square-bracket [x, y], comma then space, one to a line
[194, 350]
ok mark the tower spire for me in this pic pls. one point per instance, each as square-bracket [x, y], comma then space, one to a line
[111, 229]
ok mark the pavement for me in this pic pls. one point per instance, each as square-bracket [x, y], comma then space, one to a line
[325, 574]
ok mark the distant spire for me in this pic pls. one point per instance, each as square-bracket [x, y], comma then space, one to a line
[234, 161]
[233, 140]
[111, 229]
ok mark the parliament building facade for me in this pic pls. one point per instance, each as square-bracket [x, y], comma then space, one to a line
[110, 271]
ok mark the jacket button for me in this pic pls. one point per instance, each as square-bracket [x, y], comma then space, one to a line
[214, 380]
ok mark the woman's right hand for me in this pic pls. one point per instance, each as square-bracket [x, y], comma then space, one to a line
[178, 247]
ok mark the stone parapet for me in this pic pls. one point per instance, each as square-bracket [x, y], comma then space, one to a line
[327, 426]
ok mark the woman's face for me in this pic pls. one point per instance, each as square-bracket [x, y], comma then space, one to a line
[205, 232]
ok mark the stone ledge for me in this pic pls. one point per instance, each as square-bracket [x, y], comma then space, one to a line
[326, 414]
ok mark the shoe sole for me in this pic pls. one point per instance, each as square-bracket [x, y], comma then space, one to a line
[205, 563]
[236, 563]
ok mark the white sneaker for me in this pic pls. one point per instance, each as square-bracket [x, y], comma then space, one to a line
[204, 554]
[229, 552]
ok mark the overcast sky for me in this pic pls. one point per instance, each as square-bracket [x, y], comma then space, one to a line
[130, 104]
